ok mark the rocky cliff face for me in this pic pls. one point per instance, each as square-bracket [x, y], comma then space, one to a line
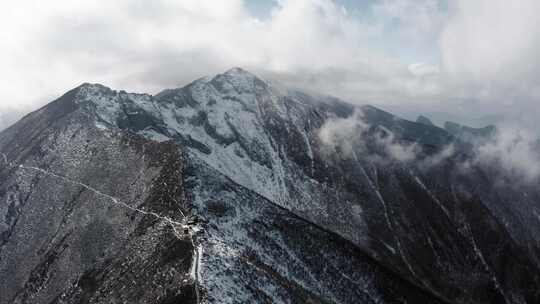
[230, 190]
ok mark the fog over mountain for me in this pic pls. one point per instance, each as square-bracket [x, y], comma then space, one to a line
[466, 58]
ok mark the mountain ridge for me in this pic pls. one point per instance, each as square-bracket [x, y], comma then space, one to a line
[264, 144]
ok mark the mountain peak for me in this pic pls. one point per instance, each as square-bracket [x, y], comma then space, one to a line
[470, 134]
[240, 79]
[93, 87]
[92, 91]
[424, 120]
[240, 73]
[235, 71]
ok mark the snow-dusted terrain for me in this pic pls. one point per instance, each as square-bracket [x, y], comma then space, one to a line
[224, 191]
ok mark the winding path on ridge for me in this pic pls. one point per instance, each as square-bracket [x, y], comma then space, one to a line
[172, 223]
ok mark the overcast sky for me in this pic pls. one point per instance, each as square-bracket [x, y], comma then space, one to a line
[466, 58]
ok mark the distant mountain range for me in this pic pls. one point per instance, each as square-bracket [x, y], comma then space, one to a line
[464, 133]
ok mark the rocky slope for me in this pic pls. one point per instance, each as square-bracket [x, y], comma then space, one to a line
[226, 191]
[89, 216]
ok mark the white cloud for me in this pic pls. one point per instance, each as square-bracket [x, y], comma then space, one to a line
[352, 135]
[491, 40]
[514, 150]
[54, 45]
[488, 50]
[490, 55]
[400, 151]
[343, 133]
[420, 20]
[146, 46]
[423, 69]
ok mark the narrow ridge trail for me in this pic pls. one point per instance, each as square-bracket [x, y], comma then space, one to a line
[172, 223]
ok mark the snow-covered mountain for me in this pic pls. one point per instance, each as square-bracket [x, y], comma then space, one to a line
[230, 190]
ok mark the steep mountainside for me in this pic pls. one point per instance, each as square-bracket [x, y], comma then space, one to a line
[90, 216]
[223, 191]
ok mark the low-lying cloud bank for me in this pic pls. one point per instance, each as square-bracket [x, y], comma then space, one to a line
[512, 151]
[354, 137]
